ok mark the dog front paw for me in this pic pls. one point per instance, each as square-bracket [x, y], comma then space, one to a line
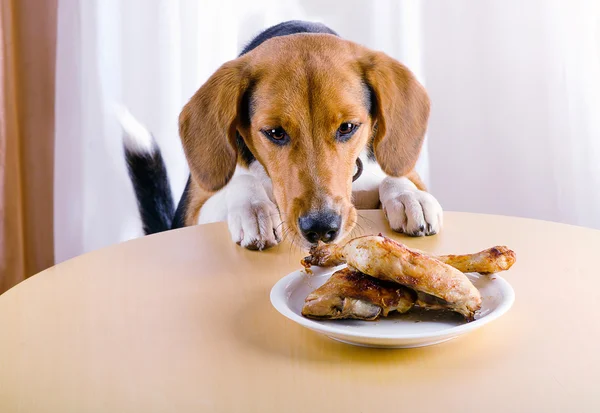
[414, 213]
[255, 225]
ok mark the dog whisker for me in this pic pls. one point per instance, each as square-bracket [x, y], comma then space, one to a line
[291, 245]
[285, 236]
[360, 227]
[355, 228]
[368, 220]
[287, 232]
[296, 245]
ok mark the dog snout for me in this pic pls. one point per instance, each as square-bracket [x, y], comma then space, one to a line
[320, 226]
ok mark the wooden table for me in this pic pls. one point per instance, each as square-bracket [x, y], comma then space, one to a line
[181, 322]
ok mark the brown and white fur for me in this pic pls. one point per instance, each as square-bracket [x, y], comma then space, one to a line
[272, 140]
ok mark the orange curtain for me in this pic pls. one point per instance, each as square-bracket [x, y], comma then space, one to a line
[27, 62]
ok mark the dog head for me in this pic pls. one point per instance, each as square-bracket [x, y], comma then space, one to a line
[306, 106]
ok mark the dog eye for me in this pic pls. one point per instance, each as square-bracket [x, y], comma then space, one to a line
[346, 128]
[345, 131]
[277, 135]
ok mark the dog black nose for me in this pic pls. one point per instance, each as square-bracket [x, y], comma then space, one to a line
[320, 226]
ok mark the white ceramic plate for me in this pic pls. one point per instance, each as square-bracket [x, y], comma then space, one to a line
[413, 329]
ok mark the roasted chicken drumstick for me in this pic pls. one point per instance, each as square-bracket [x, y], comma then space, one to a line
[491, 260]
[386, 259]
[351, 294]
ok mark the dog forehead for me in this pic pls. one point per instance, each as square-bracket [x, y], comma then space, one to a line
[287, 61]
[307, 73]
[300, 44]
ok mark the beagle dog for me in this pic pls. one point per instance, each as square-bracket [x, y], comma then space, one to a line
[292, 137]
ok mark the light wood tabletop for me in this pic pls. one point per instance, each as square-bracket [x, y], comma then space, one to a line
[182, 322]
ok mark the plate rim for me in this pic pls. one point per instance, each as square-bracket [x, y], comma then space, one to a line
[278, 301]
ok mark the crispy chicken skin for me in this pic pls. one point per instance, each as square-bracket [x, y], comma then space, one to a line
[351, 294]
[324, 255]
[489, 261]
[386, 259]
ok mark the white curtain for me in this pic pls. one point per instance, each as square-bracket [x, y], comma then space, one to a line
[516, 96]
[515, 90]
[151, 56]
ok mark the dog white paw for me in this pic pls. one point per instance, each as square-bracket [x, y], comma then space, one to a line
[255, 225]
[415, 213]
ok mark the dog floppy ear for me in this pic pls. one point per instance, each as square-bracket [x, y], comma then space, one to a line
[208, 124]
[400, 107]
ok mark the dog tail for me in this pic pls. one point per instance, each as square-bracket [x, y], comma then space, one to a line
[148, 174]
